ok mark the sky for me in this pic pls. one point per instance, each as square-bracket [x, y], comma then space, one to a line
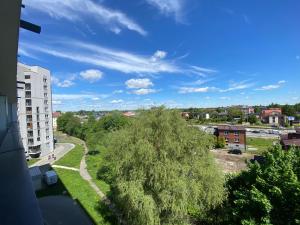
[116, 54]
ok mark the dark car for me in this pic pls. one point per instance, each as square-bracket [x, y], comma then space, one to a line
[235, 151]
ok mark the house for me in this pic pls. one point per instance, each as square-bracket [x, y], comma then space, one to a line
[290, 139]
[235, 136]
[129, 114]
[272, 116]
[55, 115]
[185, 115]
[247, 110]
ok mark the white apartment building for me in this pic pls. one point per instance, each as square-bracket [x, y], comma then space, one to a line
[35, 110]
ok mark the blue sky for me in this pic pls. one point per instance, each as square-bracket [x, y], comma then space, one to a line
[116, 54]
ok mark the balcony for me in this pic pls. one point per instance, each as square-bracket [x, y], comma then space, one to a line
[28, 87]
[28, 119]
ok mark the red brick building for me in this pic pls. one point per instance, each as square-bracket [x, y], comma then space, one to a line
[291, 139]
[235, 136]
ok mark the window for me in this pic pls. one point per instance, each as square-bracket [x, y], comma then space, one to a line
[236, 140]
[38, 138]
[236, 133]
[225, 132]
[37, 110]
[27, 76]
[226, 139]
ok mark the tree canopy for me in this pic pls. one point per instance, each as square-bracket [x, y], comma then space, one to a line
[161, 170]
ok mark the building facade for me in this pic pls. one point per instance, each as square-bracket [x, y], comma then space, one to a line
[55, 116]
[235, 136]
[35, 110]
[272, 116]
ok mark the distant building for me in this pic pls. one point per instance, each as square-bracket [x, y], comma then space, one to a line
[129, 114]
[207, 116]
[35, 109]
[55, 116]
[235, 136]
[185, 115]
[290, 139]
[272, 116]
[247, 110]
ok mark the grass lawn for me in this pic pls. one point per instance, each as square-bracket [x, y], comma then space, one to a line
[261, 144]
[32, 161]
[93, 162]
[71, 183]
[72, 158]
[64, 138]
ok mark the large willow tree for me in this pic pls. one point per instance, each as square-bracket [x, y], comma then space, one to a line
[162, 170]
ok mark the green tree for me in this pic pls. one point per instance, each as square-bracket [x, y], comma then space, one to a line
[267, 193]
[162, 170]
[220, 142]
[252, 119]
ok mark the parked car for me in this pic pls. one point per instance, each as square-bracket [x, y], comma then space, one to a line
[235, 151]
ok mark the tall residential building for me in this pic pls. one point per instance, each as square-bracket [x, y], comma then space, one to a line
[35, 109]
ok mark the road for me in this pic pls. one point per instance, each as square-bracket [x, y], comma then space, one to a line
[259, 132]
[60, 150]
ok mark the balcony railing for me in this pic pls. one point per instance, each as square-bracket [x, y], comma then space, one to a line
[28, 111]
[28, 96]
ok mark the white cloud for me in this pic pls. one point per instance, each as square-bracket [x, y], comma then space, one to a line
[201, 71]
[185, 90]
[81, 10]
[144, 91]
[271, 86]
[116, 101]
[56, 102]
[139, 83]
[64, 83]
[158, 55]
[95, 99]
[237, 86]
[105, 57]
[72, 96]
[91, 75]
[118, 91]
[225, 98]
[172, 8]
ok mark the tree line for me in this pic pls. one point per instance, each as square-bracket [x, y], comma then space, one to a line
[162, 172]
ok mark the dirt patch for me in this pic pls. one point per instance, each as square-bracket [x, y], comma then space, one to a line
[231, 163]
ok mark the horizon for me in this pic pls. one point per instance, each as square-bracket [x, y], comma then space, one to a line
[108, 55]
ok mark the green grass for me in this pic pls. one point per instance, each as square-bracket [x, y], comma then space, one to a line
[32, 161]
[93, 162]
[261, 144]
[64, 138]
[72, 158]
[71, 183]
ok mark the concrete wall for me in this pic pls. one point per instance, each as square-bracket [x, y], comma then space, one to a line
[40, 105]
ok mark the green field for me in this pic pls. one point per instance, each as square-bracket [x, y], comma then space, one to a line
[262, 144]
[32, 161]
[73, 158]
[70, 183]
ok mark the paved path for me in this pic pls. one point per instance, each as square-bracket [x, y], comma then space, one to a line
[65, 167]
[86, 176]
[60, 150]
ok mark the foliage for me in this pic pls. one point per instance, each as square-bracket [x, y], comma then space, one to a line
[252, 119]
[220, 142]
[161, 170]
[267, 193]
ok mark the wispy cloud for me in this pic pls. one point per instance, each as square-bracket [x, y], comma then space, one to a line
[144, 91]
[186, 90]
[72, 96]
[113, 59]
[118, 92]
[238, 86]
[117, 101]
[62, 83]
[225, 98]
[80, 10]
[271, 86]
[173, 8]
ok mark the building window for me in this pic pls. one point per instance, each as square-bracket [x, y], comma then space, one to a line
[237, 140]
[225, 132]
[274, 120]
[226, 139]
[27, 76]
[236, 133]
[38, 138]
